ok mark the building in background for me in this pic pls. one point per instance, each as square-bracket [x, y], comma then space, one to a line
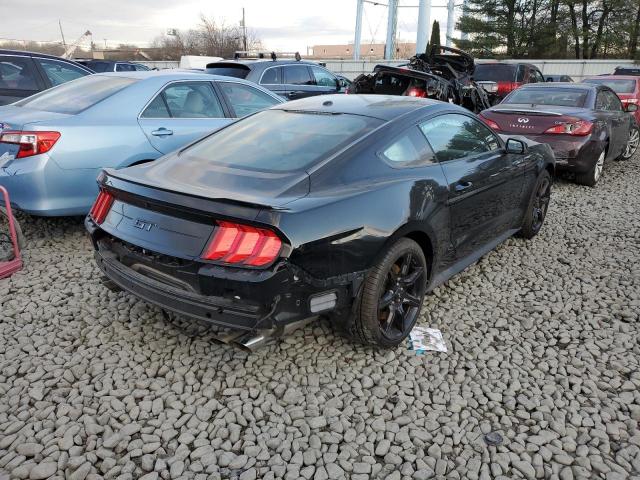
[367, 51]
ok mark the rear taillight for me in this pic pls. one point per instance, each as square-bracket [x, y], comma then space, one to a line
[489, 122]
[506, 87]
[30, 143]
[101, 207]
[238, 244]
[629, 100]
[417, 92]
[578, 128]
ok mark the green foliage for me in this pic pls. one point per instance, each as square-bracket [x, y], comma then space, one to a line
[435, 33]
[551, 28]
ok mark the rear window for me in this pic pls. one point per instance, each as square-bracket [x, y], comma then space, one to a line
[618, 86]
[239, 71]
[100, 67]
[280, 141]
[487, 72]
[562, 97]
[77, 95]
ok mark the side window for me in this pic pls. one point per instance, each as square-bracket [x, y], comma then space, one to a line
[323, 78]
[17, 74]
[157, 108]
[186, 100]
[297, 75]
[141, 68]
[520, 71]
[539, 77]
[125, 67]
[615, 104]
[272, 76]
[60, 72]
[245, 99]
[408, 150]
[455, 136]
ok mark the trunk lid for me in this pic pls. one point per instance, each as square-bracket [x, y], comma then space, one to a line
[15, 118]
[197, 178]
[530, 120]
[168, 222]
[19, 118]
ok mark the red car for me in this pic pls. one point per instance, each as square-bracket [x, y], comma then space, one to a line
[585, 125]
[627, 87]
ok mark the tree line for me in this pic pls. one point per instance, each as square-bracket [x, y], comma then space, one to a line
[581, 29]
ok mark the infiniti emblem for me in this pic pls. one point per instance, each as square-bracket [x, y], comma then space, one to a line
[523, 120]
[143, 224]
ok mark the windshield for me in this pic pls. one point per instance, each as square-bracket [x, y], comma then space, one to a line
[617, 85]
[562, 97]
[487, 72]
[279, 140]
[77, 95]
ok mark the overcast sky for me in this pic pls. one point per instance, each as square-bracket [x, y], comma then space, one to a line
[286, 25]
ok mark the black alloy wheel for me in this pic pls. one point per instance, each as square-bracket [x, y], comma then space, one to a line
[538, 206]
[392, 295]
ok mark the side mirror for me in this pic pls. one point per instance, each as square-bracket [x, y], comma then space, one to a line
[631, 107]
[516, 146]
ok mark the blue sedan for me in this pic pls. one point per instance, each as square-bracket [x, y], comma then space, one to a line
[54, 144]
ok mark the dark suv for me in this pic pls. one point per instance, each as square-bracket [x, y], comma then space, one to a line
[507, 76]
[23, 74]
[290, 79]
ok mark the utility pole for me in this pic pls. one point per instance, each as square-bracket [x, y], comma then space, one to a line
[244, 31]
[392, 20]
[424, 26]
[358, 36]
[450, 20]
[64, 43]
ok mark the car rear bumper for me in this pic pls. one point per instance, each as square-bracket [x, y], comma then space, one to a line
[574, 154]
[39, 187]
[229, 297]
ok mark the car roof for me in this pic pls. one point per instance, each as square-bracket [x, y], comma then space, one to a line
[264, 62]
[614, 77]
[383, 107]
[571, 85]
[515, 64]
[173, 75]
[24, 53]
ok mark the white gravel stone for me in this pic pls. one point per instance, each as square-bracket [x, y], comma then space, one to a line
[544, 349]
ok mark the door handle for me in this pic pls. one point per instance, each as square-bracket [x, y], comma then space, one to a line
[162, 132]
[292, 94]
[462, 186]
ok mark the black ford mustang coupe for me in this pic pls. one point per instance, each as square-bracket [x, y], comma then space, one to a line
[350, 206]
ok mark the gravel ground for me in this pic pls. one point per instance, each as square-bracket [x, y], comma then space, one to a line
[543, 349]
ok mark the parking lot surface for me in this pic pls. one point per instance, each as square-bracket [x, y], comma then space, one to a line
[543, 346]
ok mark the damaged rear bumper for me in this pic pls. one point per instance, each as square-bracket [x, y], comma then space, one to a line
[228, 297]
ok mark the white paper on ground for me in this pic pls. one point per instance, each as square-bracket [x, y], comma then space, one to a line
[422, 339]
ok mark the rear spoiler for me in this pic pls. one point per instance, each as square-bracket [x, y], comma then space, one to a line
[525, 111]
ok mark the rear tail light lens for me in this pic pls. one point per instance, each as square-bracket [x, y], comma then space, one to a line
[490, 123]
[506, 87]
[578, 128]
[237, 244]
[30, 143]
[101, 207]
[417, 92]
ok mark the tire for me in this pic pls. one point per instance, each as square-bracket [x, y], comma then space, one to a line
[591, 177]
[387, 289]
[632, 144]
[537, 207]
